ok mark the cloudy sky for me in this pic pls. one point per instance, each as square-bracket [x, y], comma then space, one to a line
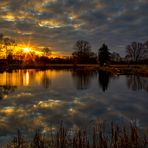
[58, 24]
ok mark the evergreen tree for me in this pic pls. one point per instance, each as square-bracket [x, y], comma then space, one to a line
[104, 55]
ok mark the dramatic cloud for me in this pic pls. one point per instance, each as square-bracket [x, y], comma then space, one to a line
[60, 23]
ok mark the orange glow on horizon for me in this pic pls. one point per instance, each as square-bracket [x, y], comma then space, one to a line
[37, 50]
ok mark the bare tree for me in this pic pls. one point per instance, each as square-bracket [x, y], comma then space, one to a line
[1, 41]
[7, 45]
[146, 49]
[146, 45]
[82, 53]
[82, 46]
[1, 36]
[47, 51]
[136, 51]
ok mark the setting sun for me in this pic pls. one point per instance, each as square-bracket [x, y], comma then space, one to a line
[26, 49]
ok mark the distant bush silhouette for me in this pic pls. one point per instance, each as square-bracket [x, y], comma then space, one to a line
[115, 58]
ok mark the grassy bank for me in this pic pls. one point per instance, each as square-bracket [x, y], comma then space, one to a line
[141, 70]
[97, 136]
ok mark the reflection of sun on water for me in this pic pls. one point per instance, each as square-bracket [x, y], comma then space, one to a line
[26, 79]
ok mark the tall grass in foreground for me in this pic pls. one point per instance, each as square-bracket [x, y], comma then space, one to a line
[98, 136]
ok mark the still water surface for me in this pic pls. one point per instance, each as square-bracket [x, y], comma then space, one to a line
[32, 99]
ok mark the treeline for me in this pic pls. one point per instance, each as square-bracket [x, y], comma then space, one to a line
[136, 53]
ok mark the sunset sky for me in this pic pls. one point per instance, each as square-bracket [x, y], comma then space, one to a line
[58, 24]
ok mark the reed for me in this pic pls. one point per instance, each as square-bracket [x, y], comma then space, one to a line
[97, 136]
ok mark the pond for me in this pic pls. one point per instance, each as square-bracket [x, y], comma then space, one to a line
[35, 99]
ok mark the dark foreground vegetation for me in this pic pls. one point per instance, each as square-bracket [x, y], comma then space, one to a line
[99, 135]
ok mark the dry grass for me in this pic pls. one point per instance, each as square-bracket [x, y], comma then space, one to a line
[97, 136]
[141, 70]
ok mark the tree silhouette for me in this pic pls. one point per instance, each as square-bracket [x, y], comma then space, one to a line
[136, 51]
[83, 52]
[7, 46]
[115, 57]
[1, 36]
[1, 41]
[47, 51]
[146, 45]
[104, 55]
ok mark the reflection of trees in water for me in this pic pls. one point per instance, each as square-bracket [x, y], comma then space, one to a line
[103, 79]
[82, 78]
[46, 82]
[137, 83]
[5, 90]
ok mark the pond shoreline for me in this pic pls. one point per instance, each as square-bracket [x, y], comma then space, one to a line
[141, 70]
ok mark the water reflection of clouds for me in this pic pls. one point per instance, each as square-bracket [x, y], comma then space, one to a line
[52, 104]
[34, 106]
